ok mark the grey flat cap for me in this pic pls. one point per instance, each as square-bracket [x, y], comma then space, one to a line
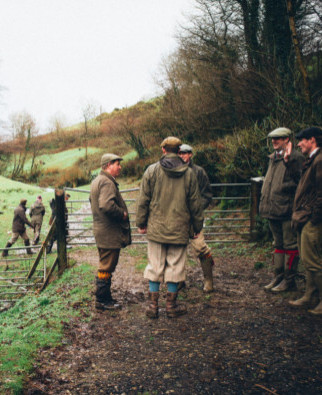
[185, 148]
[106, 158]
[280, 132]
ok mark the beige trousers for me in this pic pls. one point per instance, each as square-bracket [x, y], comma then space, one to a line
[166, 262]
[310, 246]
[15, 236]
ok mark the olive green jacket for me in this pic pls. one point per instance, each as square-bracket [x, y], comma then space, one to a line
[110, 229]
[279, 186]
[37, 212]
[169, 202]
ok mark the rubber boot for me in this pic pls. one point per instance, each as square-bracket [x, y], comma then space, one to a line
[27, 244]
[309, 289]
[206, 264]
[5, 252]
[317, 279]
[153, 308]
[104, 300]
[172, 308]
[278, 263]
[290, 271]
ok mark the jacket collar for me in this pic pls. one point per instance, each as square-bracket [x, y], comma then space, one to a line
[103, 173]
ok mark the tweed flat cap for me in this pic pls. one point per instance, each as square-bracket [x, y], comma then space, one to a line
[309, 132]
[106, 158]
[280, 132]
[171, 141]
[185, 148]
[23, 201]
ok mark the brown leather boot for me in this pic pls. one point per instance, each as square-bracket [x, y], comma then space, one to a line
[5, 252]
[172, 308]
[153, 308]
[278, 263]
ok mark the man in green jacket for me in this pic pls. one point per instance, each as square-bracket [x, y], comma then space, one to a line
[307, 215]
[111, 227]
[169, 206]
[276, 203]
[198, 244]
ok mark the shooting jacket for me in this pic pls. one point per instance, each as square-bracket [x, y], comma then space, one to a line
[169, 202]
[37, 212]
[204, 184]
[279, 186]
[308, 197]
[111, 231]
[20, 220]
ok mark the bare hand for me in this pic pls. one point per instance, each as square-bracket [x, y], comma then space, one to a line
[287, 151]
[125, 215]
[142, 231]
[196, 235]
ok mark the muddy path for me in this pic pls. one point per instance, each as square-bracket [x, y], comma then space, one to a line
[238, 340]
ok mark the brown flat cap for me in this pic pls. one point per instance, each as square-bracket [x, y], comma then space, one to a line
[171, 141]
[106, 158]
[23, 201]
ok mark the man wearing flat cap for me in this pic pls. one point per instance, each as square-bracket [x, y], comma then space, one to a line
[277, 196]
[198, 244]
[169, 204]
[19, 223]
[307, 215]
[111, 227]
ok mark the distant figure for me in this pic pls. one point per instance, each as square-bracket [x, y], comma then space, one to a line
[169, 212]
[281, 179]
[307, 215]
[37, 212]
[198, 244]
[111, 227]
[51, 219]
[19, 228]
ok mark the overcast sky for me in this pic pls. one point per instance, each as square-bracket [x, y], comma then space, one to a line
[58, 55]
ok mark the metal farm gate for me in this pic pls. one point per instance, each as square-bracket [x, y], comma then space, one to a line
[230, 219]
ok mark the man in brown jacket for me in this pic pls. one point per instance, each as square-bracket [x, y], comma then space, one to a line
[307, 215]
[19, 227]
[169, 206]
[276, 203]
[111, 227]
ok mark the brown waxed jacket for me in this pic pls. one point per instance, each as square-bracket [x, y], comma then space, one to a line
[279, 186]
[308, 197]
[20, 220]
[169, 202]
[110, 229]
[37, 212]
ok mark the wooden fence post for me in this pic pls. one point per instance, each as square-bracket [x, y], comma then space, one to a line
[61, 230]
[255, 191]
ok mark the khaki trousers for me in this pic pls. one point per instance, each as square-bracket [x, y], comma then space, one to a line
[283, 235]
[15, 236]
[108, 259]
[166, 262]
[310, 246]
[199, 245]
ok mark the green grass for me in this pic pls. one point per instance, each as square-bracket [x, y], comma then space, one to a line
[38, 321]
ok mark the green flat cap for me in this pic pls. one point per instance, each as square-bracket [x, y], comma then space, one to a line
[280, 132]
[171, 141]
[106, 158]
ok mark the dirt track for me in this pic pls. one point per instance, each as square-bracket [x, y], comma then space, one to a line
[239, 340]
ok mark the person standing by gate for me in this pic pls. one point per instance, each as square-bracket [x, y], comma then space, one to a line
[277, 196]
[111, 227]
[169, 205]
[198, 244]
[307, 215]
[36, 213]
[19, 227]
